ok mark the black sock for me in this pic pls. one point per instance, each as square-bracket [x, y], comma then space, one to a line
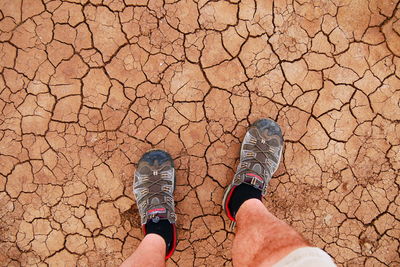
[240, 194]
[163, 228]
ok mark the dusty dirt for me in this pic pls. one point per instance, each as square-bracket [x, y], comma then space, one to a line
[87, 86]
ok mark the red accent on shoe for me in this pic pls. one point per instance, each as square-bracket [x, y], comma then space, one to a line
[228, 212]
[256, 176]
[173, 243]
[144, 229]
[156, 210]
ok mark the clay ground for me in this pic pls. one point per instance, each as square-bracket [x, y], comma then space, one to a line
[87, 86]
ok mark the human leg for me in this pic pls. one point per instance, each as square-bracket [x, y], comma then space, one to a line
[150, 252]
[261, 238]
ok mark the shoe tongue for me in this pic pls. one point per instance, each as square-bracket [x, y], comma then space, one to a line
[257, 168]
[155, 201]
[157, 213]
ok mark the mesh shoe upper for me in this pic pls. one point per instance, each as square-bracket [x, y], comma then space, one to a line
[260, 155]
[154, 186]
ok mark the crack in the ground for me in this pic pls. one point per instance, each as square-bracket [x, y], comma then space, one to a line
[87, 86]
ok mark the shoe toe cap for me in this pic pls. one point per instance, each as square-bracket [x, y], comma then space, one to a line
[156, 157]
[268, 126]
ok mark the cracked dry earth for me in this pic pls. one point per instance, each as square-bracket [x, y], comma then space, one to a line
[87, 86]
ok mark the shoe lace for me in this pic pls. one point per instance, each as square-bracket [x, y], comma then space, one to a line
[257, 147]
[158, 177]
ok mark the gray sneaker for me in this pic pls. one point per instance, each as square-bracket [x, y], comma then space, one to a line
[260, 155]
[154, 186]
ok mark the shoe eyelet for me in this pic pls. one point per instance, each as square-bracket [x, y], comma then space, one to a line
[166, 188]
[250, 154]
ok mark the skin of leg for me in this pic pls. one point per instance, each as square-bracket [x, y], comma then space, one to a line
[150, 252]
[261, 238]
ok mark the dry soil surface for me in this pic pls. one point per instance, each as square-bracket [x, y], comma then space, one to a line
[87, 86]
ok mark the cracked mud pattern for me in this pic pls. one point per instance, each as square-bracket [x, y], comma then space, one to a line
[87, 86]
